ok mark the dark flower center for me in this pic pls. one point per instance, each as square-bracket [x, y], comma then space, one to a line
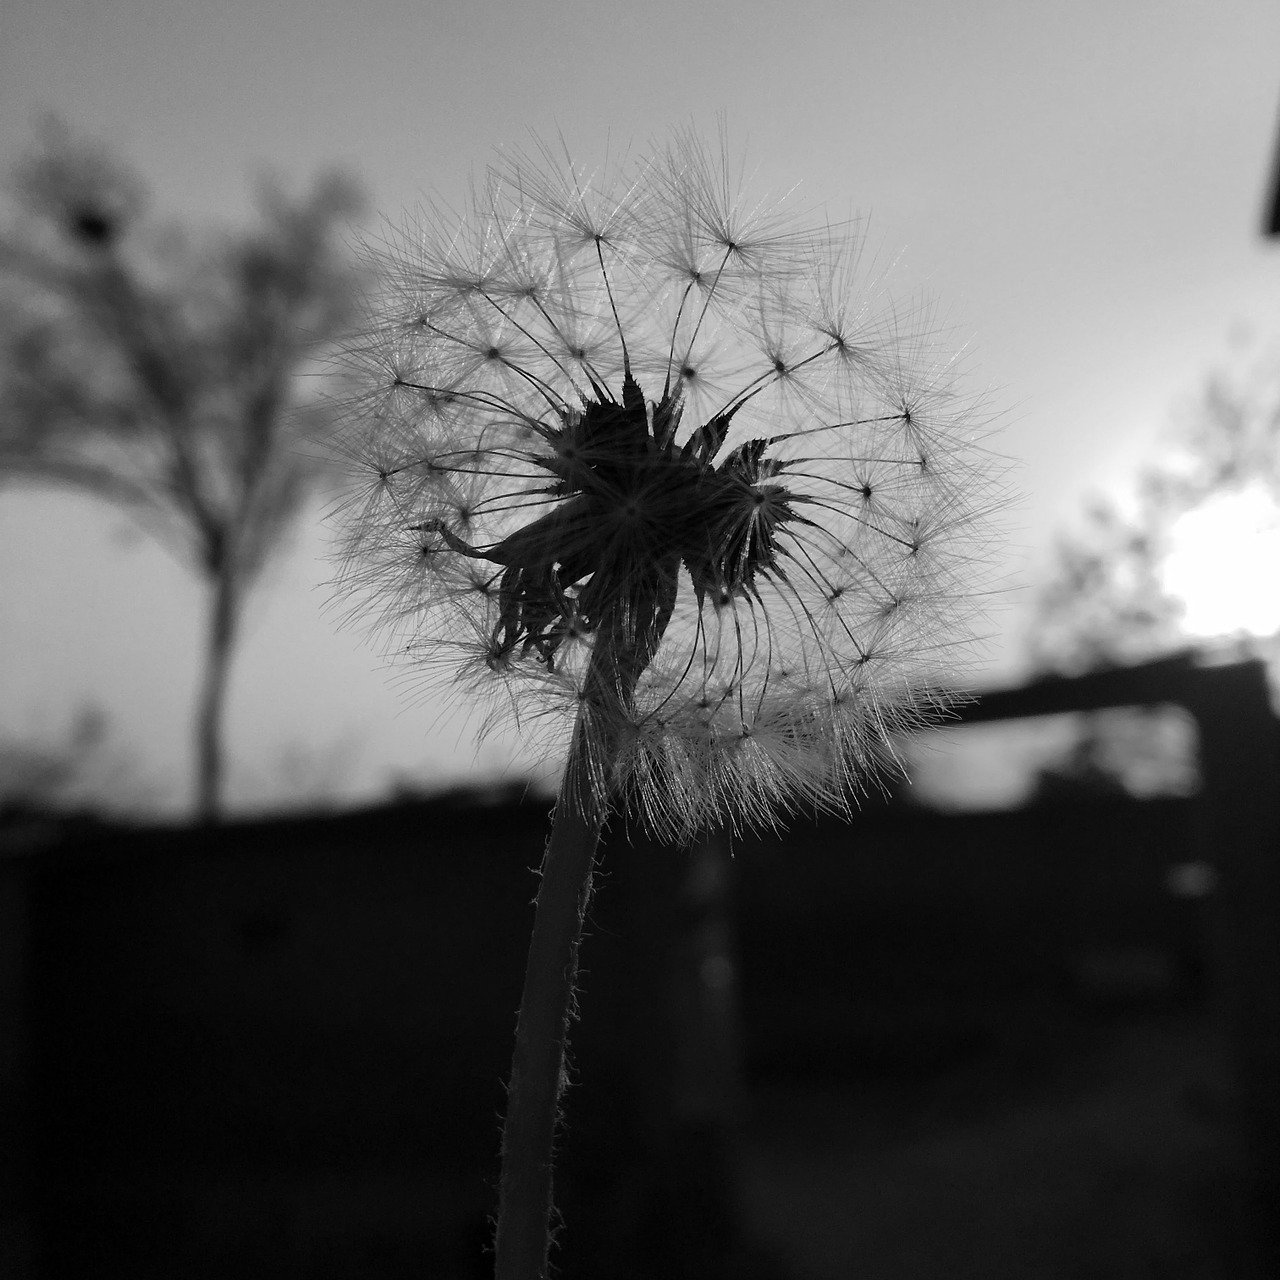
[606, 559]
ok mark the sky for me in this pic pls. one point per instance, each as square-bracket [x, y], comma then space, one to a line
[1077, 187]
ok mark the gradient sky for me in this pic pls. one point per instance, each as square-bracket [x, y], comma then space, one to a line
[1077, 185]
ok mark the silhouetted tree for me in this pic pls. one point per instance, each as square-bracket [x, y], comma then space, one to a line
[162, 371]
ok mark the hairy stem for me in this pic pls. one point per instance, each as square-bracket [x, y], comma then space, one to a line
[538, 1065]
[538, 1079]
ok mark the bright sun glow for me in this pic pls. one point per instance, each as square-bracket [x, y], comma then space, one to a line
[1224, 565]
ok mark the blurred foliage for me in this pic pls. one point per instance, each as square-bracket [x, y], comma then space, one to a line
[1103, 603]
[159, 368]
[81, 771]
[163, 369]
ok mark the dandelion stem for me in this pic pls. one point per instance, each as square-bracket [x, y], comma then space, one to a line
[538, 1073]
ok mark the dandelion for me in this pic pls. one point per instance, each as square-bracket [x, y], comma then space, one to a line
[645, 462]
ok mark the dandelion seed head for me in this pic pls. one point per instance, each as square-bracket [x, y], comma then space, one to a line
[642, 454]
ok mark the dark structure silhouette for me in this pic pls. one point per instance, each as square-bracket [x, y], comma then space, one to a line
[276, 1048]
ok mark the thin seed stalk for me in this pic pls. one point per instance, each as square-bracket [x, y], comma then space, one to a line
[538, 1075]
[538, 1064]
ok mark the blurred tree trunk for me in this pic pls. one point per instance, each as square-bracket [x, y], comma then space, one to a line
[219, 646]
